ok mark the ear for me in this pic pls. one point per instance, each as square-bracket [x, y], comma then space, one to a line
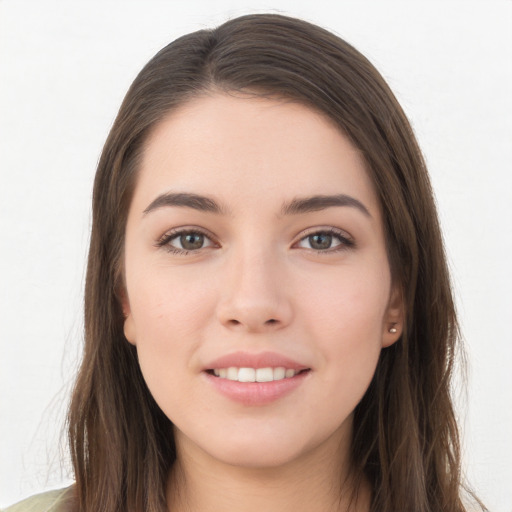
[129, 326]
[393, 324]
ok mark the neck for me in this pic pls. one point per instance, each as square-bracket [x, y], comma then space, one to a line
[314, 482]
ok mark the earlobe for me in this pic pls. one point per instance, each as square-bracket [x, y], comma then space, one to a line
[394, 319]
[128, 327]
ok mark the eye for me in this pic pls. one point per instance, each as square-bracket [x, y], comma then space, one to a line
[185, 241]
[329, 240]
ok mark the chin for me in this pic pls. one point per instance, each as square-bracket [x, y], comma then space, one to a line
[268, 446]
[259, 455]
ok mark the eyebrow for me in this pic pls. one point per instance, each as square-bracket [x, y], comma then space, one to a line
[294, 207]
[321, 202]
[186, 200]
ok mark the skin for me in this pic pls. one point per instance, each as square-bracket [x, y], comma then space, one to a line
[258, 283]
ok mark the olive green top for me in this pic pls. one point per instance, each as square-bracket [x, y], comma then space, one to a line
[61, 500]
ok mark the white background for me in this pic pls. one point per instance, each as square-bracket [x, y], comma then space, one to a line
[64, 68]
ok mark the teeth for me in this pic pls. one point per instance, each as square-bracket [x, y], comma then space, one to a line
[246, 375]
[280, 373]
[232, 373]
[264, 375]
[254, 374]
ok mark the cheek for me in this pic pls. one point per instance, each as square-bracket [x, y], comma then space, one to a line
[169, 318]
[165, 306]
[348, 302]
[345, 319]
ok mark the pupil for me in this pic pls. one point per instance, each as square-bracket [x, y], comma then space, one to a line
[320, 241]
[192, 241]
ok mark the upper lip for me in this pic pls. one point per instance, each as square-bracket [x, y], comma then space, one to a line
[258, 360]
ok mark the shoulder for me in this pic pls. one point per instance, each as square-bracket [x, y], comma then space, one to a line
[61, 500]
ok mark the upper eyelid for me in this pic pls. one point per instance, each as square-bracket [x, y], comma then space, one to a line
[324, 229]
[175, 232]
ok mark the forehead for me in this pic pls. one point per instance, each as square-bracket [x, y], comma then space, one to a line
[250, 150]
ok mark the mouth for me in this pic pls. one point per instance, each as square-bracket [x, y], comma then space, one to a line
[248, 374]
[256, 379]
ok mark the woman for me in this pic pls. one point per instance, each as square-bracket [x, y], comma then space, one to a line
[269, 320]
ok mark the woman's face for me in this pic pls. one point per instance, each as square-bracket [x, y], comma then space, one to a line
[258, 290]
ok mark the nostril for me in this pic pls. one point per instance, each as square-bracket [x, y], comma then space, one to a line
[253, 323]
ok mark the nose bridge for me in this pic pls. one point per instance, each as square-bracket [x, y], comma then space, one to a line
[254, 291]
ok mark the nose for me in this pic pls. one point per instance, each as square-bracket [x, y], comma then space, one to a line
[254, 296]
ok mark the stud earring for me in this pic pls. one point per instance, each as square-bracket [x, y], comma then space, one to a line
[392, 330]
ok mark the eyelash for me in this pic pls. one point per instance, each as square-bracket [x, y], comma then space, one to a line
[167, 238]
[345, 241]
[165, 241]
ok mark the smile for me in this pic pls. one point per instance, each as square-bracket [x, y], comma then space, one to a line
[255, 374]
[255, 379]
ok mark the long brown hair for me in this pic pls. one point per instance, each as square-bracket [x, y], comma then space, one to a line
[405, 434]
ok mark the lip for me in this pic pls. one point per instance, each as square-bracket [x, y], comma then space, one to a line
[255, 393]
[260, 360]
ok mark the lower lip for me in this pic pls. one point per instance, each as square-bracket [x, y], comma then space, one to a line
[256, 393]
